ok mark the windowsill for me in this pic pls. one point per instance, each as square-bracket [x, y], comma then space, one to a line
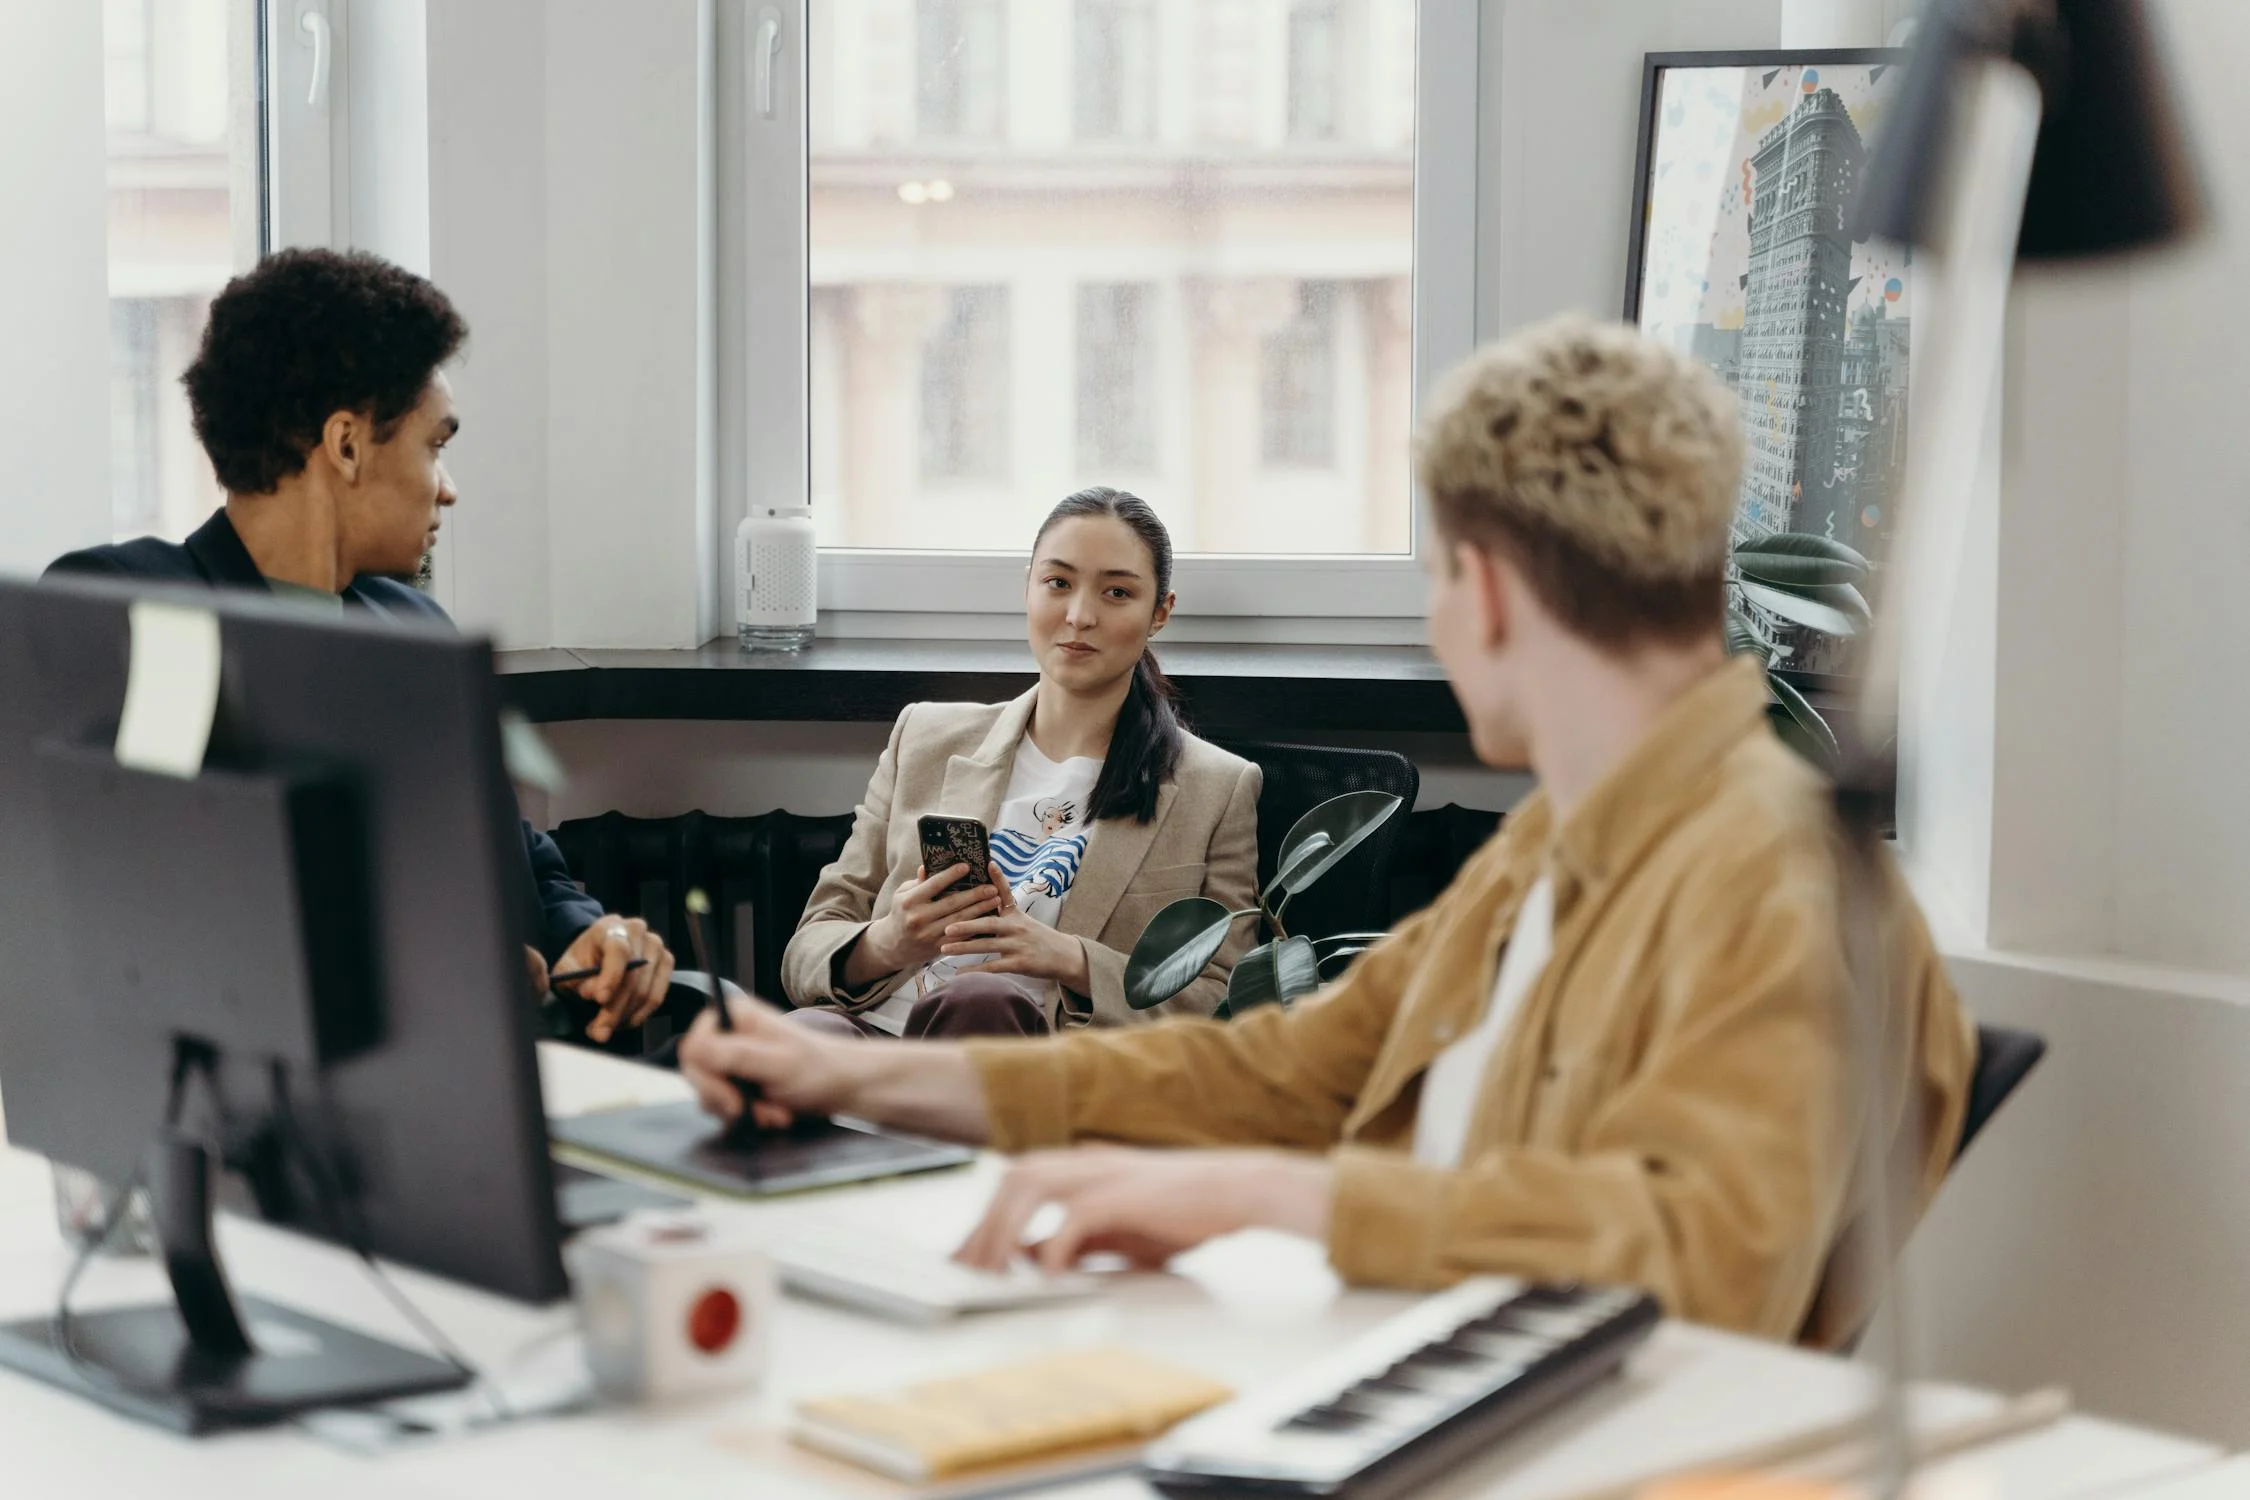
[1251, 691]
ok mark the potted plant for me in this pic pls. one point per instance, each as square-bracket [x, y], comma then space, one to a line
[1183, 937]
[1807, 580]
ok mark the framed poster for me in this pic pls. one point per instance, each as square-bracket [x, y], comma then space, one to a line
[1742, 254]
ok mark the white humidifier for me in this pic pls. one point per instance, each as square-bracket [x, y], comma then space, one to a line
[776, 578]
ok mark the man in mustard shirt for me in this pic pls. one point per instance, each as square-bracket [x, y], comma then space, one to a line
[1611, 1050]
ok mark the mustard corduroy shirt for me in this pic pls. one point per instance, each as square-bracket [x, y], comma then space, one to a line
[1663, 1110]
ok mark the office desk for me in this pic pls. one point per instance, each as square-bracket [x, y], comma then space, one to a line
[1242, 1309]
[2218, 1481]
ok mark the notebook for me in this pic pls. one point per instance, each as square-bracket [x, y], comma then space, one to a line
[1088, 1401]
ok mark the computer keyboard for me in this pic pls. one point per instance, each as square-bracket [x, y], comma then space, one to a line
[1409, 1398]
[912, 1283]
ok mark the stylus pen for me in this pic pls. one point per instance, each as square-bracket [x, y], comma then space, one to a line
[698, 911]
[572, 976]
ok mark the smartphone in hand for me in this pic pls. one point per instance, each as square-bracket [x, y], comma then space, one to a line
[947, 842]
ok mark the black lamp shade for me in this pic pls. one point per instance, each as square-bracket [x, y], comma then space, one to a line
[2113, 171]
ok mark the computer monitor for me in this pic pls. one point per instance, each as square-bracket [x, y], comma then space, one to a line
[304, 964]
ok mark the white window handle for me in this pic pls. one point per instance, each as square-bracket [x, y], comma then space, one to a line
[314, 24]
[764, 52]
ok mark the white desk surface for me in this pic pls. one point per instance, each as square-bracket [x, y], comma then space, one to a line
[2220, 1481]
[1241, 1309]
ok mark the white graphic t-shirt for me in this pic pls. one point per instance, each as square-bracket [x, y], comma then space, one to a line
[1039, 842]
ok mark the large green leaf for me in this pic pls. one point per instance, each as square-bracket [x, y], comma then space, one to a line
[1179, 941]
[1299, 857]
[1830, 608]
[1273, 972]
[1800, 725]
[1345, 822]
[1742, 640]
[1339, 956]
[1797, 558]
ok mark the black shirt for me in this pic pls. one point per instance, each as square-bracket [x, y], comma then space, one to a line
[214, 556]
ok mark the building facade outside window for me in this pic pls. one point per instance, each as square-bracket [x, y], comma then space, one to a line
[965, 378]
[1141, 317]
[1113, 47]
[182, 220]
[1116, 377]
[1298, 415]
[1316, 69]
[961, 69]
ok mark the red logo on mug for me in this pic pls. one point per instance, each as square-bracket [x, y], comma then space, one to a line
[713, 1320]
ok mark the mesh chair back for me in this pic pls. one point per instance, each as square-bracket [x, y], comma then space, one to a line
[1356, 895]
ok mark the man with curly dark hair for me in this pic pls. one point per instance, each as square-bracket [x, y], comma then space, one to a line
[320, 395]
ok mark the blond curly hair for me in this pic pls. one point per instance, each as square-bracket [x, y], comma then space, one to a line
[1600, 461]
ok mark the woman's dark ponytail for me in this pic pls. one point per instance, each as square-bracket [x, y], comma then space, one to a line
[1145, 747]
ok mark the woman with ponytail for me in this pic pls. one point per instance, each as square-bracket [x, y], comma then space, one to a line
[1102, 808]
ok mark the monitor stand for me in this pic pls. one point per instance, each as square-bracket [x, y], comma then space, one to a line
[200, 1363]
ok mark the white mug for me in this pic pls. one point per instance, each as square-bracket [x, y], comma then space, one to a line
[672, 1304]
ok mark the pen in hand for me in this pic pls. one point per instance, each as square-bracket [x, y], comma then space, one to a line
[698, 913]
[572, 976]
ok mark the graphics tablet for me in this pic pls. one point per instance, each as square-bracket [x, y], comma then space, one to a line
[681, 1141]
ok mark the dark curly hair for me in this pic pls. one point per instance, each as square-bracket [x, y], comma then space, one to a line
[305, 334]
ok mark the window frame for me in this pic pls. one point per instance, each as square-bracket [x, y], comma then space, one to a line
[159, 483]
[305, 146]
[770, 418]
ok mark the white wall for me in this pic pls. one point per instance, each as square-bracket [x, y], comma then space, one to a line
[54, 354]
[2101, 1236]
[2098, 1235]
[628, 478]
[568, 216]
[2183, 810]
[388, 180]
[487, 113]
[1570, 71]
[2118, 823]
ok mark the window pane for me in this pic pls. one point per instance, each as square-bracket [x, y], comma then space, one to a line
[965, 388]
[1299, 402]
[960, 83]
[1314, 69]
[172, 243]
[1114, 81]
[1116, 370]
[1161, 244]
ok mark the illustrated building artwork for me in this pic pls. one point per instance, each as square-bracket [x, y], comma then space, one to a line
[1746, 261]
[1790, 371]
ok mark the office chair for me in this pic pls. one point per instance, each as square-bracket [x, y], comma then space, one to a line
[1356, 895]
[2004, 1059]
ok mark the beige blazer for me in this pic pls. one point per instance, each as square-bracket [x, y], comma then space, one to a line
[955, 758]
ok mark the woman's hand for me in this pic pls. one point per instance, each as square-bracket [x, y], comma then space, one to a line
[913, 931]
[1018, 944]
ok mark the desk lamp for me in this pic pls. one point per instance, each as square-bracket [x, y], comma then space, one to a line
[2025, 130]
